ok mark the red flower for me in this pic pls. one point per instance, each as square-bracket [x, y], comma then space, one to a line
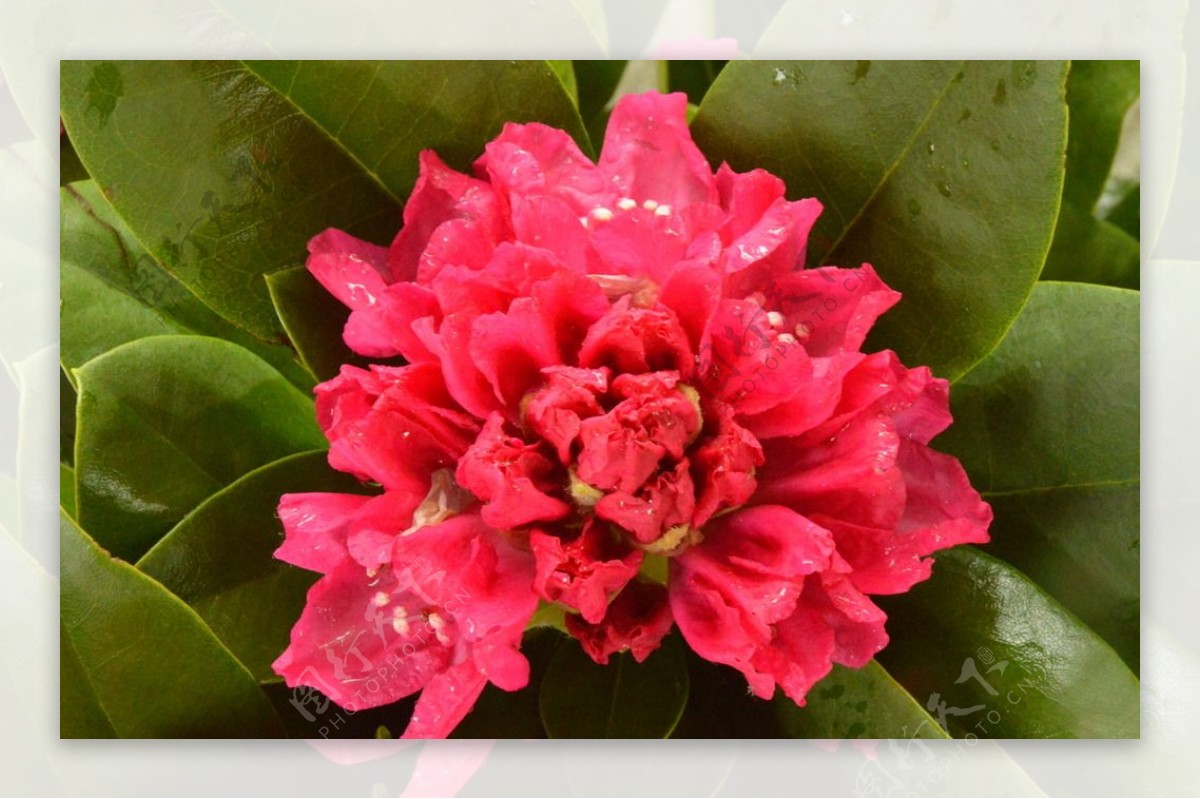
[610, 365]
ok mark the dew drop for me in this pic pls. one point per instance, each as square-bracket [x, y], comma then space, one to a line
[944, 188]
[779, 77]
[932, 148]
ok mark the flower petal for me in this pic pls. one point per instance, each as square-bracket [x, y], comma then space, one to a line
[649, 154]
[636, 621]
[582, 572]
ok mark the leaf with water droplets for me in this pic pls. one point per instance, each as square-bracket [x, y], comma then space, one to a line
[868, 148]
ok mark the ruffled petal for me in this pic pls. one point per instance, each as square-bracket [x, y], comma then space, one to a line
[636, 621]
[582, 572]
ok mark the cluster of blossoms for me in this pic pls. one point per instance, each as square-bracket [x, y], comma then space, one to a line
[624, 397]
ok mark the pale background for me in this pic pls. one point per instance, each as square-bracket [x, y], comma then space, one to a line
[35, 35]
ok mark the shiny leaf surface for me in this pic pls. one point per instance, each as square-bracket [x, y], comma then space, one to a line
[945, 176]
[238, 196]
[990, 654]
[1048, 429]
[169, 420]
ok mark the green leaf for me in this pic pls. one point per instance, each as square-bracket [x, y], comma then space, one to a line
[980, 644]
[66, 489]
[383, 113]
[1090, 250]
[313, 319]
[1082, 546]
[692, 77]
[1057, 403]
[219, 559]
[69, 167]
[566, 75]
[66, 418]
[217, 175]
[138, 663]
[721, 706]
[857, 703]
[625, 699]
[1048, 429]
[1099, 93]
[597, 81]
[165, 422]
[113, 291]
[1127, 214]
[946, 177]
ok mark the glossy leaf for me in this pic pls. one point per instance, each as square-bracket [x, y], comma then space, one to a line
[219, 559]
[625, 699]
[857, 703]
[990, 654]
[383, 113]
[164, 422]
[1048, 429]
[1057, 403]
[138, 663]
[113, 291]
[238, 196]
[1091, 250]
[313, 319]
[945, 176]
[1083, 546]
[1099, 93]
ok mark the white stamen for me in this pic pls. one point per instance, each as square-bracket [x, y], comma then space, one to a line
[583, 220]
[758, 298]
[627, 203]
[650, 205]
[400, 621]
[802, 330]
[774, 318]
[662, 210]
[602, 214]
[439, 628]
[787, 338]
[381, 598]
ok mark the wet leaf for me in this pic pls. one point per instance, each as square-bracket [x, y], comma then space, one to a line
[990, 654]
[165, 422]
[113, 291]
[1048, 429]
[945, 176]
